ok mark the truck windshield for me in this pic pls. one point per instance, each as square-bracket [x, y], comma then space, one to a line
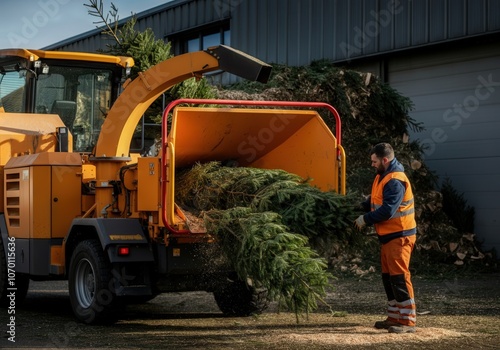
[80, 96]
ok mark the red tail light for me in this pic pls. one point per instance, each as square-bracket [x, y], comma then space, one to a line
[123, 251]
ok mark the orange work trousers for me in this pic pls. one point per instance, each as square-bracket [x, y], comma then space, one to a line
[395, 259]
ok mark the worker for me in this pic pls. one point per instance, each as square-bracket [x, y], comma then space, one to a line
[390, 209]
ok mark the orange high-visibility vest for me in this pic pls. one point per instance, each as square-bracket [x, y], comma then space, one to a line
[404, 218]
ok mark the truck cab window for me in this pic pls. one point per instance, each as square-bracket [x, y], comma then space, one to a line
[12, 91]
[80, 96]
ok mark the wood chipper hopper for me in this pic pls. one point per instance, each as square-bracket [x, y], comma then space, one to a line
[290, 136]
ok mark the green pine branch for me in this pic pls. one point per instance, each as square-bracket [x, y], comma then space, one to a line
[263, 220]
[261, 247]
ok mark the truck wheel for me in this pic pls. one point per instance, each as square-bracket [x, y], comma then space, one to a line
[237, 299]
[22, 282]
[90, 284]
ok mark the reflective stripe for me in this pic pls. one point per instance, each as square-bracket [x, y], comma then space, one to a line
[392, 309]
[414, 319]
[408, 311]
[406, 302]
[391, 315]
[399, 214]
[405, 203]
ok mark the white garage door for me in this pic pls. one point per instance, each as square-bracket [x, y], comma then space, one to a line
[457, 96]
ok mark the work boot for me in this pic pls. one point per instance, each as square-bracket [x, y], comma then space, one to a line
[402, 329]
[386, 324]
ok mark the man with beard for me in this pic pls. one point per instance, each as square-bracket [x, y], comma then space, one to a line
[390, 209]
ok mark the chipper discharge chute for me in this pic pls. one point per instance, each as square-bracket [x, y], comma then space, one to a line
[295, 140]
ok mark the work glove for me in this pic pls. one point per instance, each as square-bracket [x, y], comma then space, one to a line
[360, 222]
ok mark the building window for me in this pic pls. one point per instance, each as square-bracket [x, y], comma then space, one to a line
[204, 41]
[212, 40]
[205, 38]
[200, 38]
[193, 45]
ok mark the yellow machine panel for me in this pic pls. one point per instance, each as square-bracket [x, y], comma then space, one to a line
[40, 201]
[148, 195]
[42, 194]
[24, 134]
[88, 172]
[66, 198]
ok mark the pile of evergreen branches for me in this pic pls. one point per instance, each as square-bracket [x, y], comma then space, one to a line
[303, 208]
[263, 220]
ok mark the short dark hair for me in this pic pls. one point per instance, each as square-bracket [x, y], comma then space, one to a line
[382, 150]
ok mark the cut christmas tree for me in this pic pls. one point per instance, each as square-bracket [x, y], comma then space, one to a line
[263, 220]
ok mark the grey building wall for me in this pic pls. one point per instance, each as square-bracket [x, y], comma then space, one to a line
[296, 32]
[456, 93]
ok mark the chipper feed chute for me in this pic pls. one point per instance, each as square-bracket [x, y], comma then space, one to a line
[297, 141]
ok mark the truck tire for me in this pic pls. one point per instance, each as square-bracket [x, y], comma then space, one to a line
[238, 299]
[91, 288]
[22, 282]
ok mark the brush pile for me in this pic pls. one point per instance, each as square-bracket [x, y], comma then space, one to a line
[263, 220]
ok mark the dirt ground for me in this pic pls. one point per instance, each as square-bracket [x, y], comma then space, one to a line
[453, 313]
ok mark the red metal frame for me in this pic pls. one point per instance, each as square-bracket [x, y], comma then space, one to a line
[173, 104]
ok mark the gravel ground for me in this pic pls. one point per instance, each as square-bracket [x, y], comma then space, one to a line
[461, 312]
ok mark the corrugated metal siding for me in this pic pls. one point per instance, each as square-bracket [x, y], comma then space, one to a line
[178, 16]
[476, 17]
[457, 97]
[294, 32]
[419, 26]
